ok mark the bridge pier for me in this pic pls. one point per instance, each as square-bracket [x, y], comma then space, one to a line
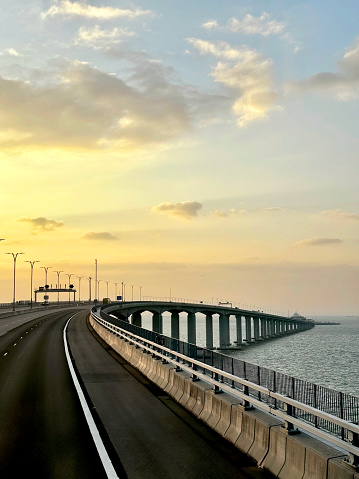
[137, 319]
[157, 323]
[191, 328]
[239, 330]
[256, 328]
[248, 320]
[224, 341]
[175, 331]
[209, 331]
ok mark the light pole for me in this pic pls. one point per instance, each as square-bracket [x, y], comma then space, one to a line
[69, 275]
[107, 288]
[96, 283]
[132, 285]
[32, 273]
[90, 289]
[14, 255]
[98, 287]
[58, 286]
[79, 277]
[115, 291]
[140, 292]
[46, 268]
[123, 291]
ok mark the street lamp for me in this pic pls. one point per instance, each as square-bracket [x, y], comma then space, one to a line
[69, 275]
[98, 288]
[79, 277]
[90, 289]
[107, 288]
[123, 291]
[14, 255]
[140, 292]
[58, 286]
[115, 291]
[132, 285]
[32, 273]
[46, 268]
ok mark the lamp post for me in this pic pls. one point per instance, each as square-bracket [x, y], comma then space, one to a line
[132, 285]
[69, 275]
[79, 277]
[58, 286]
[14, 255]
[96, 283]
[90, 289]
[107, 288]
[115, 291]
[123, 291]
[32, 273]
[46, 268]
[98, 287]
[140, 292]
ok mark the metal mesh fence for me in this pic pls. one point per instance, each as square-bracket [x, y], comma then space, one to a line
[342, 405]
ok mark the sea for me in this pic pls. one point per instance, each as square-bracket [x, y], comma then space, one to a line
[327, 355]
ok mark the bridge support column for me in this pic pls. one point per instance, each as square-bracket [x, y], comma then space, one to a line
[239, 329]
[224, 331]
[137, 319]
[263, 328]
[209, 331]
[256, 328]
[191, 328]
[157, 323]
[272, 332]
[175, 324]
[248, 329]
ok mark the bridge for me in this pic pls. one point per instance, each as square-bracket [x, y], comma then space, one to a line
[255, 411]
[251, 326]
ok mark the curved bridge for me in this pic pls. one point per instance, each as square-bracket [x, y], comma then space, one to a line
[256, 325]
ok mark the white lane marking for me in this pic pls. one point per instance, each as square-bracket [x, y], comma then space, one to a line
[105, 459]
[15, 344]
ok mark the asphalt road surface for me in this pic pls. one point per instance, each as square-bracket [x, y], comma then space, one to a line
[43, 432]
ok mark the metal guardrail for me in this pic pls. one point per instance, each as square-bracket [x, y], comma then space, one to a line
[322, 424]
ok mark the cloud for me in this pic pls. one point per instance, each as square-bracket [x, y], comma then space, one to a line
[66, 8]
[225, 214]
[318, 241]
[98, 38]
[11, 52]
[262, 25]
[41, 223]
[339, 215]
[343, 84]
[246, 74]
[76, 105]
[104, 236]
[185, 209]
[274, 209]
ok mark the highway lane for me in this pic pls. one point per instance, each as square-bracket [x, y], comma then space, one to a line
[153, 436]
[43, 432]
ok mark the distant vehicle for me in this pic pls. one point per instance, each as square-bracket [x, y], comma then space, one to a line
[45, 303]
[106, 300]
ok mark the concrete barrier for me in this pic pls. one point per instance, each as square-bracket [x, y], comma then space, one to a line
[254, 432]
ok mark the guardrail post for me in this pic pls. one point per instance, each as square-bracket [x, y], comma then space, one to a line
[288, 426]
[217, 389]
[246, 404]
[353, 438]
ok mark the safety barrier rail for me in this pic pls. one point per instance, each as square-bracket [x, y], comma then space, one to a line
[210, 366]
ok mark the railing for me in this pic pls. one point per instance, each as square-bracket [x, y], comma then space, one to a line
[326, 413]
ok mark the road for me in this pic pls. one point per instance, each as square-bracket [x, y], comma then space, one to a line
[43, 431]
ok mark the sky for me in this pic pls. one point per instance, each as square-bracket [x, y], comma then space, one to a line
[204, 150]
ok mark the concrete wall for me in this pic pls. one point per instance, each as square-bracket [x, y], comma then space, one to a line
[258, 434]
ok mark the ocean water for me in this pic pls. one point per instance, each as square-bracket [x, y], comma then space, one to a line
[325, 355]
